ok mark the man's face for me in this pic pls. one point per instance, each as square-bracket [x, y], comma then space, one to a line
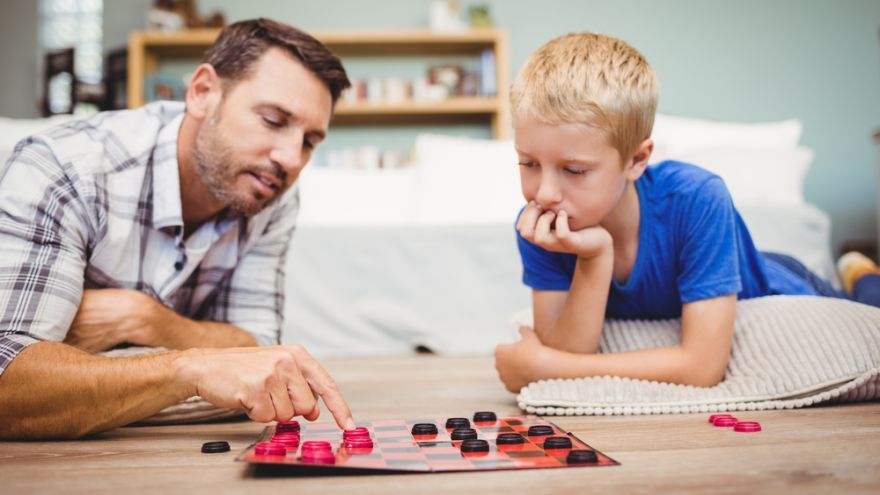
[570, 167]
[252, 146]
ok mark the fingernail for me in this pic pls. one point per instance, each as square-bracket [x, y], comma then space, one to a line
[349, 424]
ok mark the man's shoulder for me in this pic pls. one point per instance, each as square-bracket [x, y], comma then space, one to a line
[108, 142]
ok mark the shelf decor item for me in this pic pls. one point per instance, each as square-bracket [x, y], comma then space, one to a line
[475, 96]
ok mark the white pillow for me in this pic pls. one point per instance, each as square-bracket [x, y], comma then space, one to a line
[14, 130]
[347, 197]
[674, 135]
[773, 175]
[466, 181]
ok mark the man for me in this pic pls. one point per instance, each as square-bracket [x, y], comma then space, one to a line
[165, 226]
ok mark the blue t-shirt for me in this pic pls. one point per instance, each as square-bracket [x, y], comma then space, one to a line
[693, 245]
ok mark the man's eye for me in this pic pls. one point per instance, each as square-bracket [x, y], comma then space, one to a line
[272, 123]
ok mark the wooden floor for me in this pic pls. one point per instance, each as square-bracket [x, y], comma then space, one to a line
[834, 449]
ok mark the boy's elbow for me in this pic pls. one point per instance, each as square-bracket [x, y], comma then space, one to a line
[705, 379]
[697, 374]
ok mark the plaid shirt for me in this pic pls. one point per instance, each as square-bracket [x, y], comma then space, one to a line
[96, 204]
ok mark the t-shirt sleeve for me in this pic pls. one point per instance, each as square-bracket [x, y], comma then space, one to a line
[542, 269]
[708, 265]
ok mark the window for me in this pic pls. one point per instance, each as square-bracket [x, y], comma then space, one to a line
[73, 24]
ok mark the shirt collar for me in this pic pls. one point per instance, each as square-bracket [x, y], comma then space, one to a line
[167, 209]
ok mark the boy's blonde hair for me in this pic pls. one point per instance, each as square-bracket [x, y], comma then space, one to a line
[591, 79]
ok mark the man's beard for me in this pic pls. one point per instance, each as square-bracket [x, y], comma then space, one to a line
[219, 172]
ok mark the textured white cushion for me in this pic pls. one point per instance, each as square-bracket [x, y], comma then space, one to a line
[673, 136]
[788, 351]
[772, 175]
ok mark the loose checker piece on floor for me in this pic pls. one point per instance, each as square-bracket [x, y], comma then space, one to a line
[424, 445]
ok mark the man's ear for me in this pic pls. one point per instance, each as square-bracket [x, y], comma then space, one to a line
[639, 161]
[204, 92]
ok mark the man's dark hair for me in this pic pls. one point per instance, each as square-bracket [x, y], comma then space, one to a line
[240, 45]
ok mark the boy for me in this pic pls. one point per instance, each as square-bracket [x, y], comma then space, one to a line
[603, 235]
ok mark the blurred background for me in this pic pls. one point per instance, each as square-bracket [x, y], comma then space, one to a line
[442, 68]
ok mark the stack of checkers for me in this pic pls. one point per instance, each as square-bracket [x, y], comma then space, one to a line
[452, 444]
[727, 421]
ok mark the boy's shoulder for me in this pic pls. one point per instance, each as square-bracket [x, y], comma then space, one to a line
[680, 179]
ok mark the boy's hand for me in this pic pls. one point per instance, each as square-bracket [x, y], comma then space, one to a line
[522, 362]
[537, 226]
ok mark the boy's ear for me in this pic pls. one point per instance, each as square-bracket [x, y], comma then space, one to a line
[639, 161]
[204, 92]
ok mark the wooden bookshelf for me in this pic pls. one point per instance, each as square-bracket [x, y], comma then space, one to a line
[148, 49]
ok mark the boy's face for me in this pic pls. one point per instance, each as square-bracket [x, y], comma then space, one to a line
[253, 145]
[570, 167]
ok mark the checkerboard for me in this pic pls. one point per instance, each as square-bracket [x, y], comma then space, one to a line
[396, 449]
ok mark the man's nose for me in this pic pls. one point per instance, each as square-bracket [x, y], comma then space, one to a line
[289, 155]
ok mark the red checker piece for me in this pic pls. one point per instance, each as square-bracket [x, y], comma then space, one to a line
[290, 440]
[358, 442]
[287, 426]
[270, 448]
[316, 445]
[359, 432]
[747, 426]
[725, 422]
[713, 417]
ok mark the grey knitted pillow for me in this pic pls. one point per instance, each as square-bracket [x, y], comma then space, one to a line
[788, 351]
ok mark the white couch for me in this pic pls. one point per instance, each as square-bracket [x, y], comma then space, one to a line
[391, 261]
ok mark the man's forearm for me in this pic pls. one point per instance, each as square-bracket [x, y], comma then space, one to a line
[52, 390]
[579, 327]
[174, 331]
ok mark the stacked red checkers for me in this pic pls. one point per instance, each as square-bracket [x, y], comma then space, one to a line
[288, 439]
[316, 452]
[270, 448]
[358, 438]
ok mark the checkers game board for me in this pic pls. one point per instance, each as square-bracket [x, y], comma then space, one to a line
[481, 443]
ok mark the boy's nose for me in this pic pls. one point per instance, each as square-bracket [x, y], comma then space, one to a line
[549, 195]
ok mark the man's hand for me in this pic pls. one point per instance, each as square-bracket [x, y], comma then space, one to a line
[535, 225]
[109, 317]
[269, 383]
[522, 362]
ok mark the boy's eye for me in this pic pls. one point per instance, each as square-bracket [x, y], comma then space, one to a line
[575, 170]
[527, 164]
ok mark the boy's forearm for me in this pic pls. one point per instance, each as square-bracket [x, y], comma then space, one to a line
[667, 364]
[52, 390]
[579, 327]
